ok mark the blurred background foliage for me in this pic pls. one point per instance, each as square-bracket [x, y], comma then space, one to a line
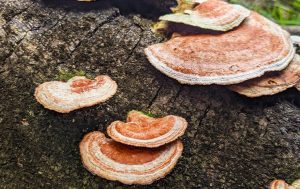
[284, 12]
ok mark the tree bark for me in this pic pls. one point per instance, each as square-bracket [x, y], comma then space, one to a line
[231, 142]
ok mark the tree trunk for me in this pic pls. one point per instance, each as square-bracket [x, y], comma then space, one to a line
[231, 142]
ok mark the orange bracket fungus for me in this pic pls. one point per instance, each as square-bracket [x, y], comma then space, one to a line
[141, 151]
[77, 93]
[271, 83]
[212, 14]
[129, 165]
[279, 184]
[256, 47]
[144, 131]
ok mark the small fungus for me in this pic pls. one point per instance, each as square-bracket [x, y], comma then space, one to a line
[212, 14]
[271, 83]
[127, 164]
[256, 47]
[144, 131]
[76, 93]
[279, 184]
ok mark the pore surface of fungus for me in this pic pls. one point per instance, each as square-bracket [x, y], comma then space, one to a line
[77, 93]
[212, 14]
[271, 83]
[129, 165]
[144, 131]
[247, 52]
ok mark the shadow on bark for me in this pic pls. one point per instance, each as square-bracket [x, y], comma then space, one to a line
[149, 9]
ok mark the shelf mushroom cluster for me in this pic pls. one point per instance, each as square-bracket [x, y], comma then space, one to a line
[141, 151]
[249, 53]
[245, 50]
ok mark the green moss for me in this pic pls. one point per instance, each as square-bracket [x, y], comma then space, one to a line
[159, 27]
[65, 75]
[149, 114]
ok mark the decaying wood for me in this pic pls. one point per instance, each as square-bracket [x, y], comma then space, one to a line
[231, 141]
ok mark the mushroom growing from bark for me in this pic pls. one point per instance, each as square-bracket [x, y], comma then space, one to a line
[211, 14]
[144, 131]
[279, 184]
[271, 83]
[256, 47]
[76, 93]
[129, 165]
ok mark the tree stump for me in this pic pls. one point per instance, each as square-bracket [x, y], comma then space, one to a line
[231, 142]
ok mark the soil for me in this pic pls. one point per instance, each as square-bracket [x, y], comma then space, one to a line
[232, 141]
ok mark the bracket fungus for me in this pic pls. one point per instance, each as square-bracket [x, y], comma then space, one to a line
[212, 14]
[129, 165]
[256, 47]
[279, 184]
[76, 93]
[144, 131]
[271, 83]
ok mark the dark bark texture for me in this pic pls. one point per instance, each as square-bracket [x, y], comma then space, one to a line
[231, 142]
